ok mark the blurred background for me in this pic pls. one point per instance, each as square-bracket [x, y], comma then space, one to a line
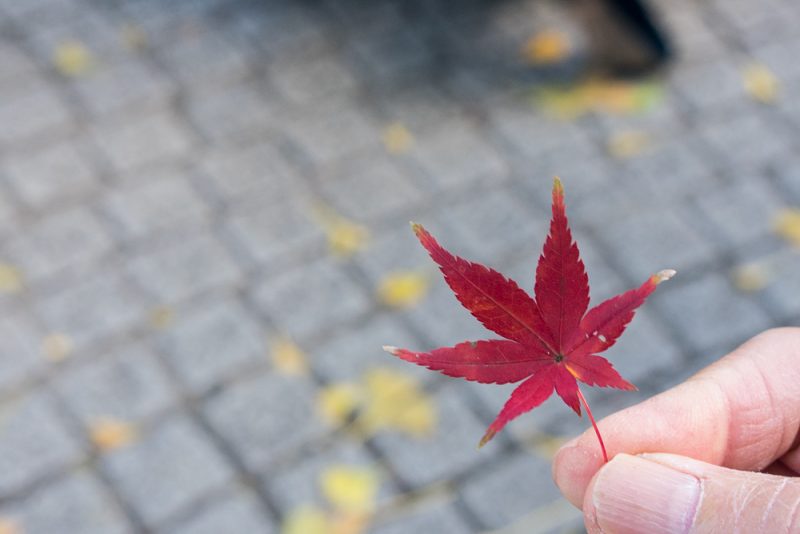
[204, 243]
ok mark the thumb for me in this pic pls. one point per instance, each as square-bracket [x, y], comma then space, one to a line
[665, 493]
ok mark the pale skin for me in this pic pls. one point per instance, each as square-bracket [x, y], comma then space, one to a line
[717, 453]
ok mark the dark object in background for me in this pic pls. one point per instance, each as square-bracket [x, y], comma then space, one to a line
[625, 40]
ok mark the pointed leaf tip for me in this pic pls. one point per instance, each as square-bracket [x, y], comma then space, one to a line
[663, 276]
[558, 187]
[391, 349]
[486, 438]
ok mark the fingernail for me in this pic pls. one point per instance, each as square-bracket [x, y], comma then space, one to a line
[633, 495]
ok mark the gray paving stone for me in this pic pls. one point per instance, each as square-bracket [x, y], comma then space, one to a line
[644, 348]
[744, 141]
[212, 342]
[35, 9]
[743, 211]
[298, 484]
[418, 108]
[708, 85]
[176, 271]
[397, 249]
[533, 134]
[649, 241]
[585, 172]
[307, 300]
[443, 320]
[168, 203]
[283, 30]
[494, 224]
[307, 82]
[33, 442]
[129, 385]
[123, 86]
[710, 314]
[20, 356]
[673, 169]
[274, 234]
[783, 282]
[64, 241]
[76, 503]
[18, 67]
[691, 35]
[8, 215]
[203, 58]
[238, 113]
[780, 58]
[510, 490]
[392, 56]
[167, 470]
[97, 306]
[456, 154]
[265, 417]
[347, 355]
[131, 144]
[432, 516]
[755, 27]
[256, 171]
[317, 130]
[34, 112]
[371, 188]
[448, 451]
[238, 512]
[69, 23]
[181, 18]
[787, 173]
[59, 172]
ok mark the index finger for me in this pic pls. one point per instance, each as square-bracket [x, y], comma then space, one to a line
[742, 412]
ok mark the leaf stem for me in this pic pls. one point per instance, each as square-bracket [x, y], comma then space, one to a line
[594, 424]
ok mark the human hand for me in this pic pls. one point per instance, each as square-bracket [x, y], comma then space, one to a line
[695, 458]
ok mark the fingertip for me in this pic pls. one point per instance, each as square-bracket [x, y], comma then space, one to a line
[574, 465]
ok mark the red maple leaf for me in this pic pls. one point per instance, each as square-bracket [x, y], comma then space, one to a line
[551, 341]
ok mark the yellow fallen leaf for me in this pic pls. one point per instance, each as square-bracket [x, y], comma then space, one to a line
[627, 144]
[546, 47]
[72, 58]
[10, 279]
[397, 139]
[787, 225]
[350, 489]
[306, 519]
[396, 401]
[56, 347]
[337, 403]
[760, 83]
[345, 237]
[9, 526]
[133, 37]
[402, 289]
[108, 434]
[162, 316]
[287, 357]
[751, 278]
[599, 95]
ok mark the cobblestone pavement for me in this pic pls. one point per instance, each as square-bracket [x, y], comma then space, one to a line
[171, 175]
